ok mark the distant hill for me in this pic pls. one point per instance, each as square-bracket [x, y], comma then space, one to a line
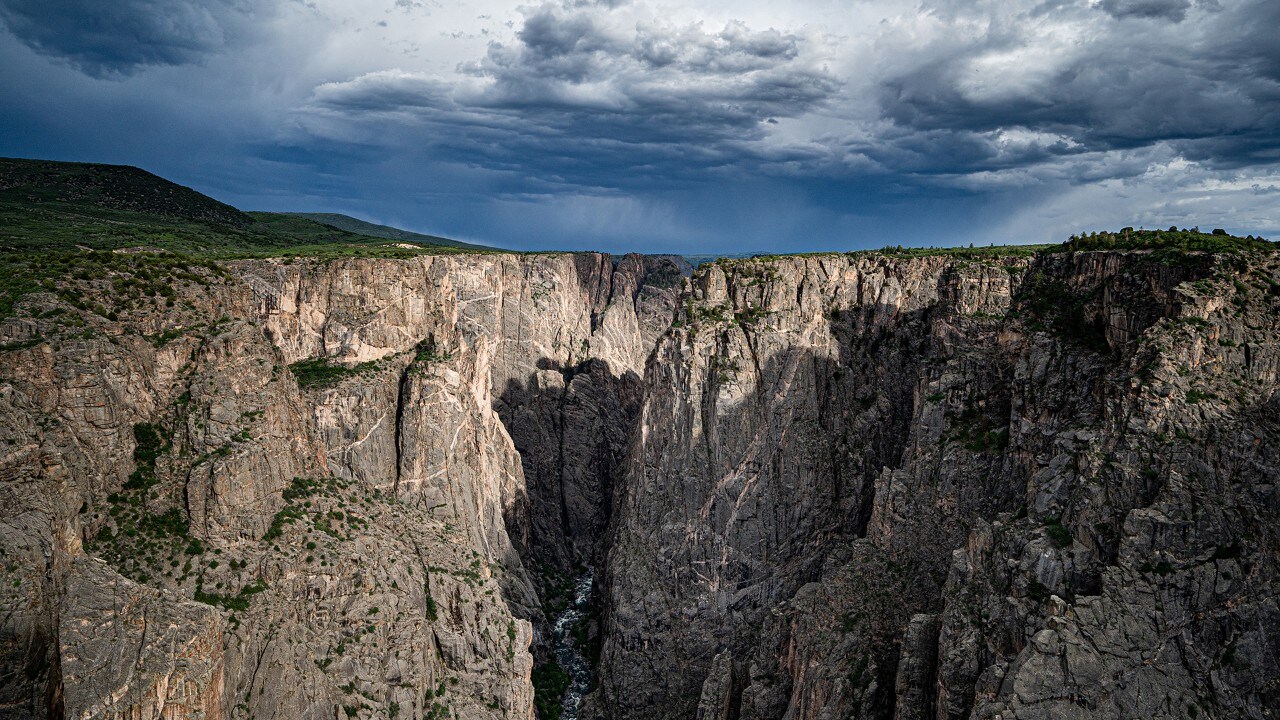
[356, 225]
[112, 187]
[48, 206]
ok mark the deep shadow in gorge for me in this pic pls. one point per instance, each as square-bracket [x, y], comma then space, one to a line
[570, 426]
[571, 417]
[828, 487]
[783, 482]
[775, 523]
[792, 513]
[837, 422]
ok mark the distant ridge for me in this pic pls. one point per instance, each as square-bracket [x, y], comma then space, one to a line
[356, 225]
[113, 187]
[48, 206]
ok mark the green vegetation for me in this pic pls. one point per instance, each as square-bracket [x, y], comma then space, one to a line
[1173, 239]
[1161, 568]
[1050, 304]
[48, 206]
[237, 602]
[989, 252]
[549, 683]
[1038, 591]
[978, 433]
[113, 187]
[666, 276]
[303, 488]
[426, 352]
[361, 227]
[1196, 396]
[123, 280]
[590, 645]
[286, 516]
[149, 444]
[557, 589]
[1184, 240]
[431, 610]
[319, 373]
[135, 538]
[1059, 535]
[1170, 245]
[1226, 552]
[63, 227]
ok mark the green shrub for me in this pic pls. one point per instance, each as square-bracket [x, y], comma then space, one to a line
[1050, 304]
[150, 444]
[1226, 552]
[1172, 239]
[549, 683]
[238, 602]
[431, 604]
[1038, 591]
[282, 518]
[319, 373]
[1161, 568]
[1195, 396]
[426, 352]
[1059, 535]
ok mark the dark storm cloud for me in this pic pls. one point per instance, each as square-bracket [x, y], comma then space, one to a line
[574, 101]
[625, 124]
[121, 36]
[1173, 10]
[1207, 89]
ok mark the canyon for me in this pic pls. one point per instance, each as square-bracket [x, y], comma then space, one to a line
[863, 485]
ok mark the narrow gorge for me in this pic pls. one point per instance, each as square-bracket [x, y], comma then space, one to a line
[864, 485]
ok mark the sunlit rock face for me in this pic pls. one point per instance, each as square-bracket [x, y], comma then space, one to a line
[836, 486]
[309, 489]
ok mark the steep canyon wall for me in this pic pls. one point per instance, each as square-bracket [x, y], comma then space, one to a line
[192, 531]
[928, 488]
[833, 486]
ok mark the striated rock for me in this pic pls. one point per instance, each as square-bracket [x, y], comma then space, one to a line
[1087, 428]
[721, 691]
[339, 543]
[813, 488]
[128, 651]
[917, 668]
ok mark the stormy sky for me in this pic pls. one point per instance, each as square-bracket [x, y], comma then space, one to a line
[635, 125]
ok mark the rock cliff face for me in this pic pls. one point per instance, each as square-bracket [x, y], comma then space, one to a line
[928, 488]
[813, 487]
[291, 492]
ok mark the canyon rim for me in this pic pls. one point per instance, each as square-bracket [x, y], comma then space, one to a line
[393, 480]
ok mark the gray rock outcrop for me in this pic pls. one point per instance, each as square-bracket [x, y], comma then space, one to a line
[821, 487]
[1015, 488]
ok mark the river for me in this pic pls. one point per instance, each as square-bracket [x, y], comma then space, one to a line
[567, 653]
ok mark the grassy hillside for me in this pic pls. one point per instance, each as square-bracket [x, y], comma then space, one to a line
[54, 206]
[356, 225]
[47, 184]
[65, 224]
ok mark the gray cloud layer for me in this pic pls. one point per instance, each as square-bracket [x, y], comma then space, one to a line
[1207, 89]
[119, 37]
[1027, 119]
[572, 100]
